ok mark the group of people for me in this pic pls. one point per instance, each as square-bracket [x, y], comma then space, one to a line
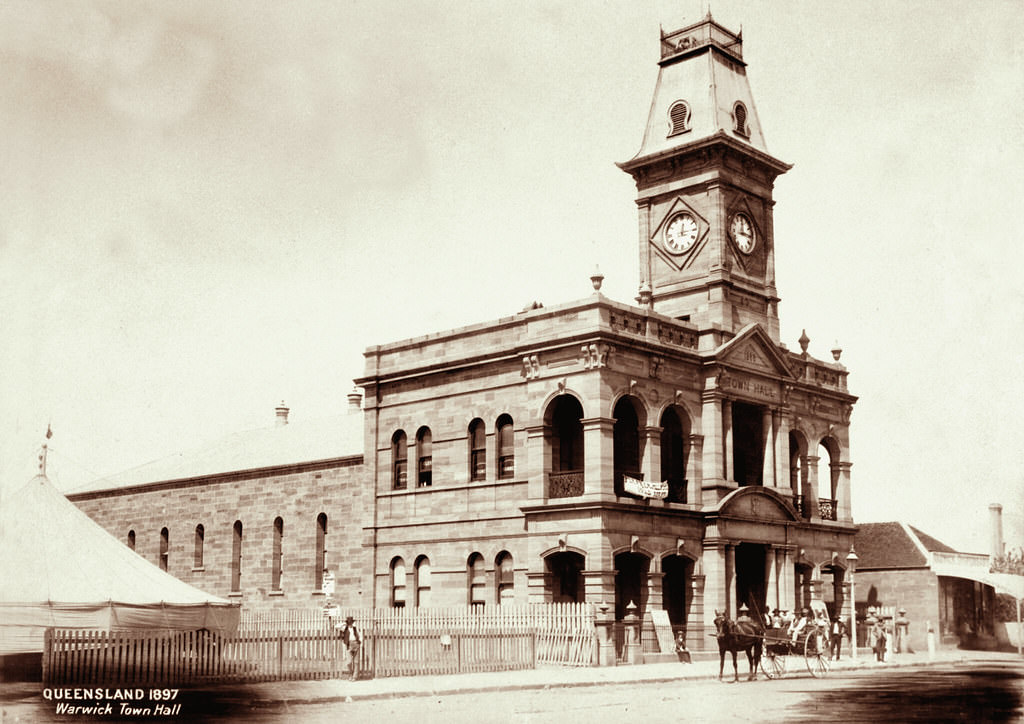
[781, 620]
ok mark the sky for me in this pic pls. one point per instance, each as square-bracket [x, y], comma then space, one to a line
[208, 208]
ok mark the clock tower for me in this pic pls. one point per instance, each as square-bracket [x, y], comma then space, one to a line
[704, 179]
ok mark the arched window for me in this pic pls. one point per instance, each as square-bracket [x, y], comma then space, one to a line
[397, 583]
[164, 548]
[399, 453]
[477, 450]
[131, 539]
[626, 447]
[277, 554]
[477, 574]
[320, 558]
[828, 478]
[678, 118]
[504, 577]
[739, 114]
[565, 416]
[236, 558]
[197, 548]
[422, 581]
[506, 447]
[673, 455]
[424, 459]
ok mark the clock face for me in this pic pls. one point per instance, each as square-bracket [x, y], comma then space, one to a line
[743, 233]
[681, 233]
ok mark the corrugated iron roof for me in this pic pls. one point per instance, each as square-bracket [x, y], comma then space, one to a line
[302, 442]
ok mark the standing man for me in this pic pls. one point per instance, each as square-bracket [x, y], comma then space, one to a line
[837, 633]
[352, 639]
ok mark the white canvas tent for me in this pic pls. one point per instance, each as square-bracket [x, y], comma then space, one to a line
[59, 568]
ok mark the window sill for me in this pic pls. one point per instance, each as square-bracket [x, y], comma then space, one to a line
[199, 570]
[235, 594]
[275, 593]
[316, 593]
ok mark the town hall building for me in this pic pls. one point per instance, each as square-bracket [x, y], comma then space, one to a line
[663, 453]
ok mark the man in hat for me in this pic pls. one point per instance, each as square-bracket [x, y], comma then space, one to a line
[352, 638]
[797, 627]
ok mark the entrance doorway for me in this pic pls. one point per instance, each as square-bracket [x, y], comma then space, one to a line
[751, 586]
[630, 583]
[675, 590]
[564, 577]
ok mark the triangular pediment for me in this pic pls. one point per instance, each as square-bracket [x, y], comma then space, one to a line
[753, 349]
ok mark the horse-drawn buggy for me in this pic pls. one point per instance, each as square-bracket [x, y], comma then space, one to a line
[769, 648]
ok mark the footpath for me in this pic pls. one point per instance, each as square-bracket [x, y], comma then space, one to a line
[308, 692]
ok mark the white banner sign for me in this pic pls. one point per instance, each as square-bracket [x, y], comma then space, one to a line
[644, 489]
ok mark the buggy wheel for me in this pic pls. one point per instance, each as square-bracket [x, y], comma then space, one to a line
[773, 665]
[816, 653]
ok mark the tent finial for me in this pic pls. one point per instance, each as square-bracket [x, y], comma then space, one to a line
[42, 454]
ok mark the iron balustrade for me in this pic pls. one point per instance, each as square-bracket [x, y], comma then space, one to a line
[827, 508]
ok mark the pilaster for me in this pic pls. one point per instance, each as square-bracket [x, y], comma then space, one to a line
[650, 464]
[538, 461]
[715, 584]
[845, 512]
[599, 456]
[811, 488]
[768, 469]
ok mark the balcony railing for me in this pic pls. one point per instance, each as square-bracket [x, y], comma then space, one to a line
[566, 484]
[827, 508]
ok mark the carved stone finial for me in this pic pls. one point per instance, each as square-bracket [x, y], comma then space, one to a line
[837, 351]
[646, 297]
[596, 278]
[804, 341]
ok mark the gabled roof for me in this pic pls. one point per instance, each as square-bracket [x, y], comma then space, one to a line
[894, 545]
[271, 447]
[753, 348]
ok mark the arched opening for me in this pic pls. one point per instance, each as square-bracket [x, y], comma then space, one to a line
[748, 443]
[828, 478]
[503, 573]
[751, 584]
[236, 558]
[506, 447]
[630, 583]
[165, 546]
[397, 582]
[626, 447]
[424, 457]
[675, 590]
[477, 450]
[476, 574]
[197, 549]
[399, 460]
[422, 582]
[565, 478]
[675, 432]
[564, 577]
[276, 555]
[832, 589]
[131, 539]
[798, 470]
[320, 557]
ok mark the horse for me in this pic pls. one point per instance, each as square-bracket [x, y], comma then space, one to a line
[744, 634]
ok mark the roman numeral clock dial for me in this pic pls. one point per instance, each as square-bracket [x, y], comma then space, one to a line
[742, 231]
[681, 233]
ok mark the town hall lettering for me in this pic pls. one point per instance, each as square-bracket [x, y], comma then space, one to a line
[752, 387]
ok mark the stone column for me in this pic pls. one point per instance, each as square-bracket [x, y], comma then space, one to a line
[538, 461]
[782, 454]
[811, 488]
[650, 463]
[843, 504]
[696, 640]
[713, 456]
[787, 583]
[771, 579]
[715, 585]
[693, 468]
[598, 456]
[605, 625]
[768, 468]
[730, 580]
[730, 474]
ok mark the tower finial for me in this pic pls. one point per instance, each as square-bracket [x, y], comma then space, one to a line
[45, 450]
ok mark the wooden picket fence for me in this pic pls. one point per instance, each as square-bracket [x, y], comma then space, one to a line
[304, 644]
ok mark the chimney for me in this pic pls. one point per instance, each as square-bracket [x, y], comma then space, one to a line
[282, 414]
[355, 400]
[996, 515]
